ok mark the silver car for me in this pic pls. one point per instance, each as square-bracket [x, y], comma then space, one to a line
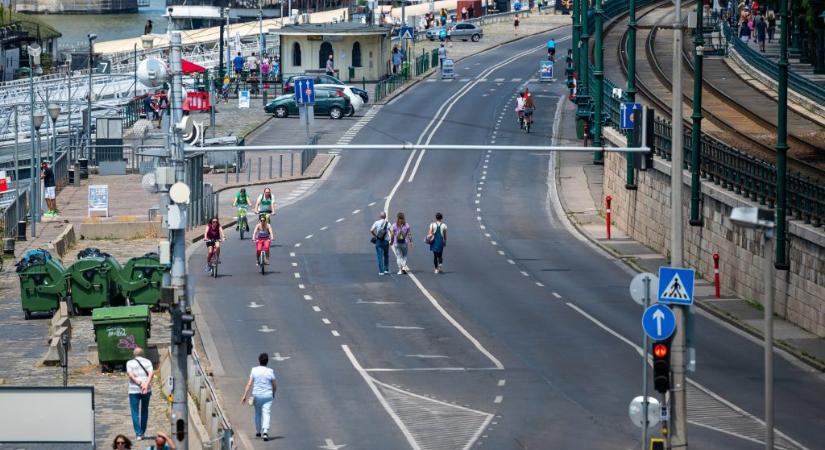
[466, 31]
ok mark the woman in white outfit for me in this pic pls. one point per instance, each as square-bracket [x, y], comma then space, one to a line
[262, 382]
[401, 241]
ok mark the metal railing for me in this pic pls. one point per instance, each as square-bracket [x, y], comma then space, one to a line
[14, 212]
[214, 418]
[796, 82]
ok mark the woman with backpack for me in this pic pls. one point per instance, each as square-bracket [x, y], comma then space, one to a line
[437, 238]
[401, 241]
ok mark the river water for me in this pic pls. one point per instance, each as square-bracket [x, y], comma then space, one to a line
[75, 27]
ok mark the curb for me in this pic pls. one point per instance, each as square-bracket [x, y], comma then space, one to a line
[432, 70]
[737, 323]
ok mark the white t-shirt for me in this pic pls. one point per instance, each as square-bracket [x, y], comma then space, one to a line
[134, 367]
[379, 230]
[262, 381]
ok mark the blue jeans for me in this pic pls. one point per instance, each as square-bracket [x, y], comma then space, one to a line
[263, 404]
[382, 253]
[139, 404]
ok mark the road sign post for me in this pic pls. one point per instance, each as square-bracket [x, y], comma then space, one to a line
[641, 288]
[629, 113]
[676, 286]
[305, 99]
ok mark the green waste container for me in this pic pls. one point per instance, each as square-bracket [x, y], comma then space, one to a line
[351, 73]
[42, 283]
[141, 279]
[93, 283]
[118, 330]
[405, 69]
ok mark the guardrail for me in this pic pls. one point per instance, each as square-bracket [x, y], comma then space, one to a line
[14, 212]
[796, 82]
[218, 428]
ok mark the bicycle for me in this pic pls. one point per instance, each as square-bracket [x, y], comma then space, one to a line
[213, 258]
[528, 119]
[243, 224]
[262, 262]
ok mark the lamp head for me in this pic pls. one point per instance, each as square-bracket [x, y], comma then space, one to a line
[37, 120]
[54, 111]
[752, 217]
[91, 37]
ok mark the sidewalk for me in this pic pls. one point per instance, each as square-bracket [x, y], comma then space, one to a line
[580, 188]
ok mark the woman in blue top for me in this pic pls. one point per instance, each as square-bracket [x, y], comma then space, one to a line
[437, 238]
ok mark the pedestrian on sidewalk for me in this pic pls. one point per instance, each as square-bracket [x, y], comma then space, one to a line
[147, 29]
[442, 55]
[237, 64]
[401, 241]
[744, 32]
[437, 238]
[330, 69]
[162, 442]
[262, 382]
[771, 17]
[121, 442]
[396, 60]
[761, 32]
[515, 24]
[380, 237]
[140, 373]
[47, 175]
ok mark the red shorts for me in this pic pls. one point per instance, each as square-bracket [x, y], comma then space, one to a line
[263, 244]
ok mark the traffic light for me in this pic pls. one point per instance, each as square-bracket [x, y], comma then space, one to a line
[182, 331]
[661, 366]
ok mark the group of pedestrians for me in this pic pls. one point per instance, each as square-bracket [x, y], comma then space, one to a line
[399, 237]
[754, 22]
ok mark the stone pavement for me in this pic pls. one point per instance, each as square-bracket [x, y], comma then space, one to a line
[580, 187]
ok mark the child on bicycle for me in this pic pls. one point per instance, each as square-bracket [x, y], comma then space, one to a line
[263, 236]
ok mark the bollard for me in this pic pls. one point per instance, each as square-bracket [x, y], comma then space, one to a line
[292, 164]
[226, 172]
[237, 167]
[270, 167]
[607, 201]
[249, 169]
[716, 275]
[259, 168]
[281, 166]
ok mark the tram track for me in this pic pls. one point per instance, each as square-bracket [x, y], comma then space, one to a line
[724, 118]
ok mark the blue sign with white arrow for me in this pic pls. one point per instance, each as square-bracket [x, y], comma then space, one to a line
[628, 115]
[659, 322]
[676, 285]
[305, 91]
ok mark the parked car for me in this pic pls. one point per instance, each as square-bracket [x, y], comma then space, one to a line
[432, 33]
[356, 102]
[466, 31]
[289, 84]
[328, 101]
[365, 96]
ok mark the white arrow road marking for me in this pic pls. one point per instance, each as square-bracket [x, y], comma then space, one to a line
[265, 329]
[330, 445]
[277, 357]
[397, 327]
[254, 305]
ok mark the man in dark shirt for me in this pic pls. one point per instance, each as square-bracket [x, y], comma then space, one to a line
[47, 175]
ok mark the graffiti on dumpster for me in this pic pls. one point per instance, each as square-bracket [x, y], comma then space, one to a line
[127, 343]
[116, 331]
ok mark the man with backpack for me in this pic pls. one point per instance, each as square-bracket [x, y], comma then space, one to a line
[380, 232]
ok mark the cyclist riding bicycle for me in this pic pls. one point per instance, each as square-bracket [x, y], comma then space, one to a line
[213, 235]
[265, 205]
[529, 107]
[551, 49]
[263, 236]
[241, 201]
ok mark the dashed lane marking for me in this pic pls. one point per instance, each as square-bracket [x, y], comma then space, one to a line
[309, 236]
[371, 204]
[316, 309]
[501, 382]
[511, 261]
[356, 211]
[291, 254]
[339, 220]
[498, 399]
[297, 275]
[307, 297]
[326, 321]
[525, 273]
[539, 284]
[335, 333]
[556, 294]
[301, 286]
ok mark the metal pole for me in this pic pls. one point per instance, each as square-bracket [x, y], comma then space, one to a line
[89, 107]
[767, 234]
[630, 177]
[17, 163]
[270, 167]
[645, 350]
[38, 200]
[678, 407]
[33, 175]
[220, 47]
[583, 91]
[696, 117]
[598, 73]
[136, 67]
[261, 53]
[181, 349]
[782, 262]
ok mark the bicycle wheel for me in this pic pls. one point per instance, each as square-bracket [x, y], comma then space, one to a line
[241, 226]
[261, 260]
[527, 124]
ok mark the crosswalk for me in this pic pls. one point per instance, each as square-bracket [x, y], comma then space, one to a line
[481, 80]
[350, 134]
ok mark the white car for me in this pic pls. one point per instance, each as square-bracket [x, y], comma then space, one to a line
[355, 100]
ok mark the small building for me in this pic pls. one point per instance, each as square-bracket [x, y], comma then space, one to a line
[365, 48]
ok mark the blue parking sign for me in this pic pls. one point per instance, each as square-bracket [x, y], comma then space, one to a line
[628, 115]
[304, 91]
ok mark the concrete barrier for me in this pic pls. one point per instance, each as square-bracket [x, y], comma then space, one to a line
[63, 242]
[119, 230]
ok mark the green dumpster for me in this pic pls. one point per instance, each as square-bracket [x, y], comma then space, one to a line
[92, 283]
[141, 278]
[405, 69]
[118, 330]
[42, 283]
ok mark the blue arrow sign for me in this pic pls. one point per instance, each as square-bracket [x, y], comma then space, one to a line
[628, 113]
[659, 322]
[305, 91]
[676, 285]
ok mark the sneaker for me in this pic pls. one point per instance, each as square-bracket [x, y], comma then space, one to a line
[400, 272]
[257, 435]
[380, 273]
[386, 272]
[266, 436]
[435, 271]
[441, 267]
[138, 438]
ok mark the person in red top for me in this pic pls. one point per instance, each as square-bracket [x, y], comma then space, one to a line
[213, 235]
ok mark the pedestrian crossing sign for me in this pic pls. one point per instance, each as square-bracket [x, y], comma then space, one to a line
[676, 285]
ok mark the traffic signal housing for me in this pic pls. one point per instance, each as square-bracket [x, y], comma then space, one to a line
[661, 366]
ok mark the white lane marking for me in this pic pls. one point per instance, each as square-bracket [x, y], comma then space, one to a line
[294, 264]
[455, 323]
[356, 211]
[377, 302]
[301, 286]
[499, 80]
[418, 369]
[316, 309]
[254, 305]
[307, 297]
[556, 294]
[539, 284]
[292, 254]
[400, 180]
[498, 399]
[277, 357]
[511, 261]
[326, 321]
[478, 217]
[339, 220]
[483, 228]
[266, 329]
[324, 228]
[335, 333]
[501, 252]
[426, 356]
[309, 236]
[371, 204]
[494, 242]
[297, 275]
[525, 273]
[297, 244]
[397, 327]
[502, 382]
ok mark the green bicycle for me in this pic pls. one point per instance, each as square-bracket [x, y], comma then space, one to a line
[243, 225]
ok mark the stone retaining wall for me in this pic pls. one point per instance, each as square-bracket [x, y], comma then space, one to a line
[645, 215]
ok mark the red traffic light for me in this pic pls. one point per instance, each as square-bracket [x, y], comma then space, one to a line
[660, 350]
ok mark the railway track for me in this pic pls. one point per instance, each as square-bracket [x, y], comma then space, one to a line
[724, 118]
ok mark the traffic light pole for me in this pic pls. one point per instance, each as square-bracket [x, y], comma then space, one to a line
[645, 349]
[677, 434]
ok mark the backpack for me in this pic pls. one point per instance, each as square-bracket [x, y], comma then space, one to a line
[382, 233]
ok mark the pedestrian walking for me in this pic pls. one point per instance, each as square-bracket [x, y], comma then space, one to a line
[162, 442]
[140, 373]
[262, 382]
[471, 11]
[515, 24]
[437, 238]
[771, 17]
[47, 175]
[121, 442]
[744, 32]
[442, 55]
[401, 241]
[380, 231]
[330, 70]
[761, 32]
[147, 29]
[396, 60]
[237, 64]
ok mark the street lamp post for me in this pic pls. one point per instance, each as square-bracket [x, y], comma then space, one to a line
[87, 153]
[763, 220]
[630, 176]
[34, 60]
[696, 117]
[782, 136]
[54, 114]
[37, 122]
[598, 89]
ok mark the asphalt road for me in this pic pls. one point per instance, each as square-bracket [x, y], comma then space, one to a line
[526, 342]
